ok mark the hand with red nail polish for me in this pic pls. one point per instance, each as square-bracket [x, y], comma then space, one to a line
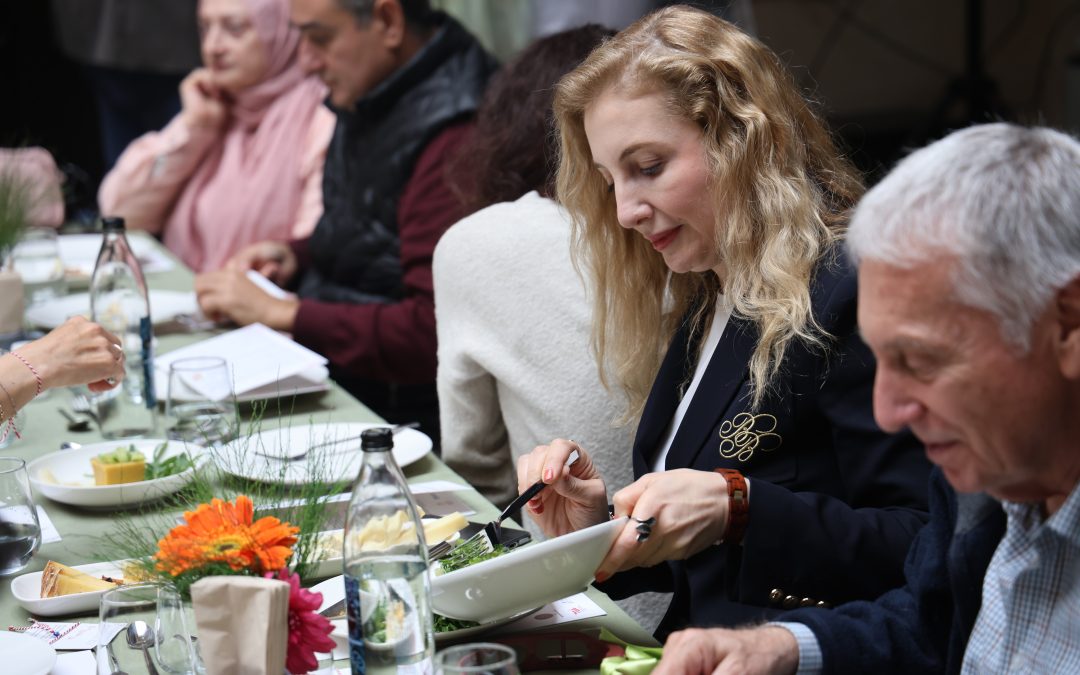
[576, 497]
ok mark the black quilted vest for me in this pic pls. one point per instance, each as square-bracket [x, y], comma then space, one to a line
[355, 247]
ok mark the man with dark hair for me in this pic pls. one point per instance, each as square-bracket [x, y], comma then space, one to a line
[405, 82]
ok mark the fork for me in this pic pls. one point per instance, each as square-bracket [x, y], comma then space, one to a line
[338, 441]
[485, 540]
[81, 403]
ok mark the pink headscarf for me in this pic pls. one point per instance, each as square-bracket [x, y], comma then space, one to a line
[248, 187]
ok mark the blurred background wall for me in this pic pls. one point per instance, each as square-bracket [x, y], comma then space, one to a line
[889, 75]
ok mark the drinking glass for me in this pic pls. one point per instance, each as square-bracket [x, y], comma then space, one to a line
[36, 257]
[477, 658]
[200, 406]
[20, 533]
[118, 609]
[175, 648]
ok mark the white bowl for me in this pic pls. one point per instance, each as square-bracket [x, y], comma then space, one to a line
[525, 578]
[74, 477]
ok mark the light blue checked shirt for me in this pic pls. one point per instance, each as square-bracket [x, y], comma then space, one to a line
[1030, 616]
[1029, 621]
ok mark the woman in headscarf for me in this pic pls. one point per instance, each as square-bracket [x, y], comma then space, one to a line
[243, 160]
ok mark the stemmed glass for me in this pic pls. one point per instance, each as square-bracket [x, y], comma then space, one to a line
[200, 406]
[20, 533]
[477, 658]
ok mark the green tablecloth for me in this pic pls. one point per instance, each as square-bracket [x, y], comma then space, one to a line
[44, 429]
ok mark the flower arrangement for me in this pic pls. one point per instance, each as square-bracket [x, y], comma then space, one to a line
[223, 538]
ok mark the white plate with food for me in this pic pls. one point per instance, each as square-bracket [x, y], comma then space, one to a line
[67, 590]
[312, 453]
[331, 543]
[165, 306]
[525, 577]
[26, 654]
[96, 476]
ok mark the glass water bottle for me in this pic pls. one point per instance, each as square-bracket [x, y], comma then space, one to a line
[386, 583]
[120, 303]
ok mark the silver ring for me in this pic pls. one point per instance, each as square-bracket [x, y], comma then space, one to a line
[644, 528]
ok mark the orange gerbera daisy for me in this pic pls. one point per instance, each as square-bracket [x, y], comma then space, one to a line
[223, 532]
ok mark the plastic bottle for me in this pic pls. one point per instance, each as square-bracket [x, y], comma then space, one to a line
[388, 595]
[120, 302]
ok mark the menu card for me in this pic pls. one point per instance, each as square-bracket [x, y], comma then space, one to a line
[258, 356]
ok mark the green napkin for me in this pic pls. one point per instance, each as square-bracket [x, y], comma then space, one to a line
[638, 660]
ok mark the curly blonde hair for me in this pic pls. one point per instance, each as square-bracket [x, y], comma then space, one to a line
[780, 188]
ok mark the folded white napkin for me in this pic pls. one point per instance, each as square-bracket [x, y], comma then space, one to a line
[243, 624]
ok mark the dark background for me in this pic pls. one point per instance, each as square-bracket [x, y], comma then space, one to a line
[889, 75]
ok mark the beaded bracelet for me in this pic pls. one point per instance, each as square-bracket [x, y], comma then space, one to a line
[37, 376]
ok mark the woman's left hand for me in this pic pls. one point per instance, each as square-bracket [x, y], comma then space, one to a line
[229, 294]
[691, 511]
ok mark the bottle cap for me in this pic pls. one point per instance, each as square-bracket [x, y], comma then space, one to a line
[379, 438]
[112, 224]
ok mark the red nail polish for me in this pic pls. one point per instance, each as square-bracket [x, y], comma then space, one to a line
[601, 577]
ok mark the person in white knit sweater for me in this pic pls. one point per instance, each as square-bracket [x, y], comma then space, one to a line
[512, 314]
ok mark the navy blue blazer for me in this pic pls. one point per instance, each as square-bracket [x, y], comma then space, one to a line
[923, 627]
[834, 501]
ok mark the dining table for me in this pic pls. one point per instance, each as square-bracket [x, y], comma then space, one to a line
[44, 429]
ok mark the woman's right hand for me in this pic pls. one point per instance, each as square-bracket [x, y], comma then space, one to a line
[274, 260]
[576, 497]
[77, 352]
[203, 104]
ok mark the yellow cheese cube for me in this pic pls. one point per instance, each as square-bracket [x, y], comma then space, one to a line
[114, 474]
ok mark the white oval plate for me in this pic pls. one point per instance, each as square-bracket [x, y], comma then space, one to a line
[25, 654]
[165, 306]
[26, 588]
[74, 477]
[526, 577]
[326, 464]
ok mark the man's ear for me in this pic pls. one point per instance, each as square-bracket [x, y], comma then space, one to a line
[388, 18]
[1068, 325]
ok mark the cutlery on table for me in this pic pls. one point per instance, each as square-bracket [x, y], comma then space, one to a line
[74, 424]
[485, 540]
[139, 636]
[303, 455]
[82, 404]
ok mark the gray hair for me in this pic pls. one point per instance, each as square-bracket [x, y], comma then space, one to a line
[1004, 200]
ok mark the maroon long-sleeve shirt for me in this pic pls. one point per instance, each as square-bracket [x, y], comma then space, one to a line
[393, 342]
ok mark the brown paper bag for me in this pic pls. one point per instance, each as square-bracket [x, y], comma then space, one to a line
[243, 624]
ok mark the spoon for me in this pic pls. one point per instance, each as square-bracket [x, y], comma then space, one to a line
[70, 445]
[75, 424]
[139, 636]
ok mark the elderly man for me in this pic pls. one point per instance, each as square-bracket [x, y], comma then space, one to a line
[969, 296]
[404, 82]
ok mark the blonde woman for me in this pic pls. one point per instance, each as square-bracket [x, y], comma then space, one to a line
[708, 202]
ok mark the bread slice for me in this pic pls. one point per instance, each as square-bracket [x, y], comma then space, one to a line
[57, 580]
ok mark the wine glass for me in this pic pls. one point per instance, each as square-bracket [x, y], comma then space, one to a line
[476, 658]
[200, 406]
[20, 533]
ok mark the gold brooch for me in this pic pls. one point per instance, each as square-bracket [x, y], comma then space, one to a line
[741, 437]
